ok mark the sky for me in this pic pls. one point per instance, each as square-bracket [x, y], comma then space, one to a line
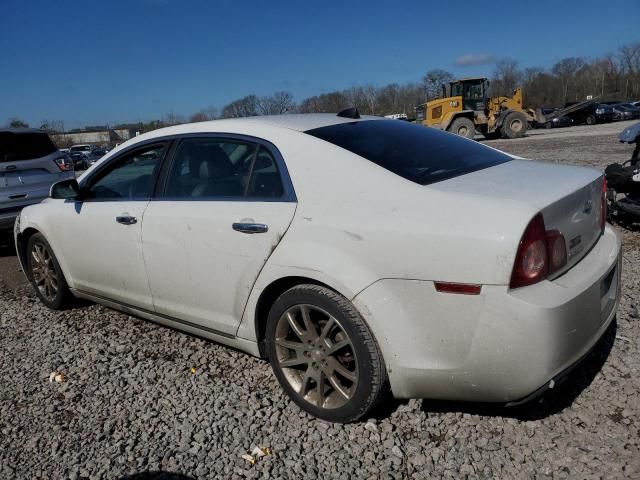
[89, 62]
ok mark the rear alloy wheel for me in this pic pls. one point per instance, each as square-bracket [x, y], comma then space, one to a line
[45, 274]
[514, 125]
[591, 120]
[324, 355]
[464, 127]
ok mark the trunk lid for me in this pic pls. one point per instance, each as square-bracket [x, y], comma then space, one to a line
[567, 196]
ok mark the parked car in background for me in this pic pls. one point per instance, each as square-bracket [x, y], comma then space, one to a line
[82, 155]
[591, 114]
[29, 164]
[97, 154]
[225, 229]
[553, 122]
[625, 111]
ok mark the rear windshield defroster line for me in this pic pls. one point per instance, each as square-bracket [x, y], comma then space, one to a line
[421, 154]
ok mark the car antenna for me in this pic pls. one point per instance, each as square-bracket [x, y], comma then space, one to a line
[349, 113]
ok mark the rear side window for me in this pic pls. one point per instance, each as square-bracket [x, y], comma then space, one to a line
[24, 146]
[421, 154]
[219, 168]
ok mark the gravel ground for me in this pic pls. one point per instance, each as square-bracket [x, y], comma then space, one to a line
[140, 397]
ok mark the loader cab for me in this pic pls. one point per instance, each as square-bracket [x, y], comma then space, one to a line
[473, 92]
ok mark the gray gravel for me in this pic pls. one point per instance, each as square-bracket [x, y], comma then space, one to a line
[131, 403]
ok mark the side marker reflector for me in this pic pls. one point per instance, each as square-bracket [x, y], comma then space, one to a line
[459, 288]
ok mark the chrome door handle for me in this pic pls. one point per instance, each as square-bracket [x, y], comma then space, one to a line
[250, 227]
[126, 219]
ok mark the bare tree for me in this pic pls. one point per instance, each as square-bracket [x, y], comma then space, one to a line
[52, 126]
[565, 70]
[276, 104]
[506, 77]
[243, 107]
[433, 81]
[172, 118]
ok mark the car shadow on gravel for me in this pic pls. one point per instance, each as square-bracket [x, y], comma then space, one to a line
[552, 401]
[157, 475]
[7, 248]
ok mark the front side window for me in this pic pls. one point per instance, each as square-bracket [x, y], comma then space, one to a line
[131, 177]
[210, 167]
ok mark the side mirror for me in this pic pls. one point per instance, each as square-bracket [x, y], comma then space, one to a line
[66, 189]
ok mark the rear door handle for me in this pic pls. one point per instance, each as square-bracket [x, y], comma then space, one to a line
[250, 227]
[126, 219]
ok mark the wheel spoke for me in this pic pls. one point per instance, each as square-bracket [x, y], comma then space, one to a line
[337, 367]
[327, 328]
[338, 346]
[333, 381]
[291, 345]
[294, 362]
[294, 326]
[308, 324]
[320, 388]
[302, 391]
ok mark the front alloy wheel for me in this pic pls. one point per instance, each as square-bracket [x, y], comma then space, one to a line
[324, 355]
[45, 273]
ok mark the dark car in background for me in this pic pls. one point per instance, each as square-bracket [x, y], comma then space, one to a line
[82, 155]
[625, 111]
[29, 164]
[553, 121]
[591, 114]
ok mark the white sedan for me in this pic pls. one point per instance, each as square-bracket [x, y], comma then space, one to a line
[361, 256]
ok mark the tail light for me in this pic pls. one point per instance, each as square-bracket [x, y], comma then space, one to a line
[540, 254]
[603, 204]
[63, 164]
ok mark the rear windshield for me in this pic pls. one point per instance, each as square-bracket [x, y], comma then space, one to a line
[421, 154]
[24, 146]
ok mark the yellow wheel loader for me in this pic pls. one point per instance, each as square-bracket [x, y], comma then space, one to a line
[466, 108]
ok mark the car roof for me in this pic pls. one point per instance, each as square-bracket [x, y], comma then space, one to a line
[300, 122]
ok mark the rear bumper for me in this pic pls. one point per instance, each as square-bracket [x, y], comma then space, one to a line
[500, 346]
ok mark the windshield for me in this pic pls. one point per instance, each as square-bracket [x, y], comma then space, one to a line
[420, 154]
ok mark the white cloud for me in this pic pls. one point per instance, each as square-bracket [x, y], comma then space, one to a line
[474, 59]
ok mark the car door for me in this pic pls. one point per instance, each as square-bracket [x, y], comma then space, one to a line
[99, 234]
[227, 203]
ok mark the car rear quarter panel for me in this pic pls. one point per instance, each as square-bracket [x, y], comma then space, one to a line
[357, 223]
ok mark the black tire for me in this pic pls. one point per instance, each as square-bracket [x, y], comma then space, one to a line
[514, 125]
[491, 135]
[62, 295]
[590, 120]
[464, 127]
[371, 384]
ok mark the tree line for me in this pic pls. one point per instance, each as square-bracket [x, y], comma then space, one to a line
[615, 76]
